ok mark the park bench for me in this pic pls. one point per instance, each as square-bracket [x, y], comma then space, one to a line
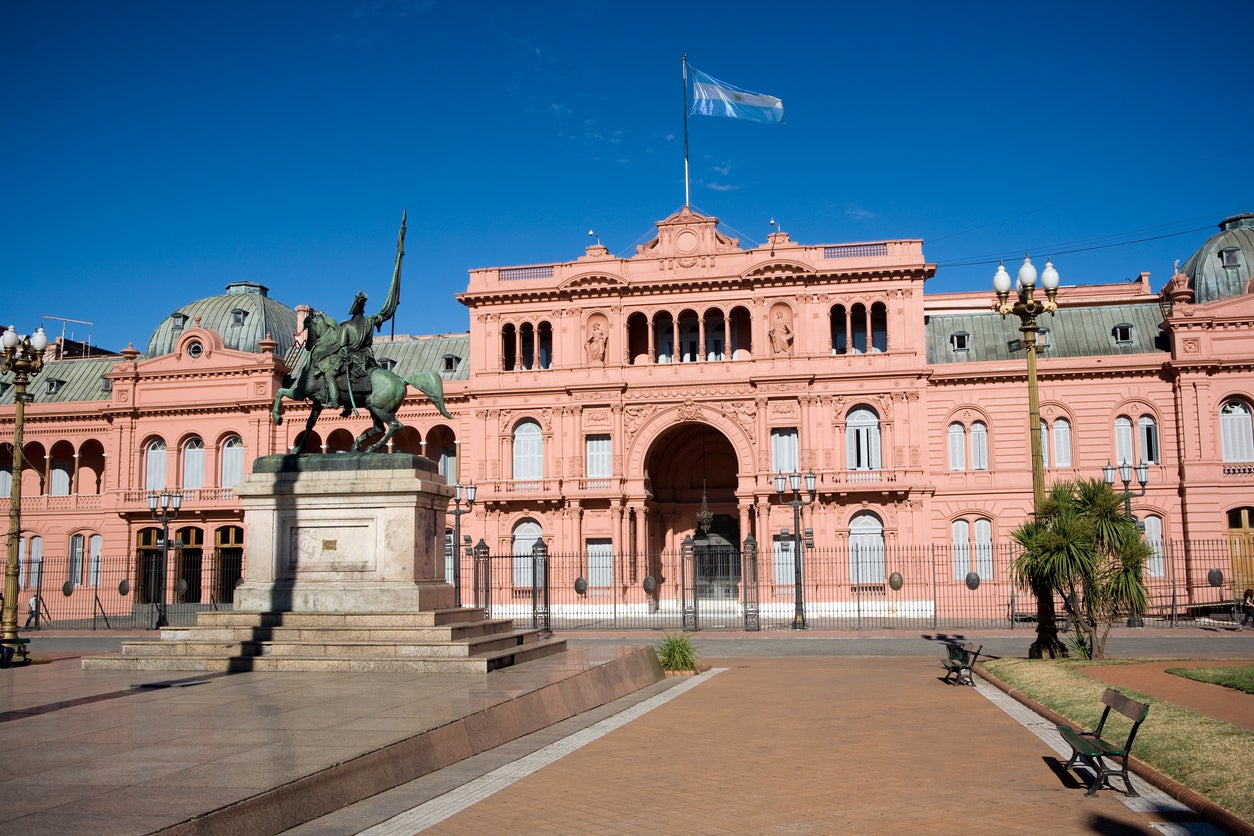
[8, 647]
[1102, 756]
[961, 660]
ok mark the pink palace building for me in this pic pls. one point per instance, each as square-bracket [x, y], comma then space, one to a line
[631, 415]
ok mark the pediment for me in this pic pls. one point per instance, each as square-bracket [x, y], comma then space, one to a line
[688, 235]
[778, 267]
[588, 280]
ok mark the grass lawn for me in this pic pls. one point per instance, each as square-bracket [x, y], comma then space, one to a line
[1240, 677]
[1209, 756]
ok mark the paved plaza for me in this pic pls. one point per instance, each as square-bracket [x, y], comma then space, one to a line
[786, 733]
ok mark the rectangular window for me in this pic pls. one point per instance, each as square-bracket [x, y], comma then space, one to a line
[784, 451]
[785, 565]
[449, 545]
[598, 458]
[600, 564]
[61, 477]
[448, 464]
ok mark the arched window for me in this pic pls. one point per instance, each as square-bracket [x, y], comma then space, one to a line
[866, 548]
[1155, 566]
[194, 464]
[1062, 442]
[862, 440]
[972, 539]
[526, 534]
[879, 328]
[30, 558]
[232, 463]
[1044, 444]
[979, 446]
[528, 452]
[78, 544]
[1237, 432]
[1147, 435]
[961, 534]
[839, 330]
[6, 480]
[984, 548]
[1123, 441]
[154, 466]
[94, 547]
[957, 446]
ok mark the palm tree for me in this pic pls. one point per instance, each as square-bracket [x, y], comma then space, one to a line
[1083, 547]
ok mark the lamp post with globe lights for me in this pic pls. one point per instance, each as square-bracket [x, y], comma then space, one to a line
[164, 507]
[468, 491]
[23, 357]
[797, 502]
[1028, 307]
[1125, 470]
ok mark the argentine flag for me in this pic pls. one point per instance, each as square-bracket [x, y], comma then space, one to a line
[711, 97]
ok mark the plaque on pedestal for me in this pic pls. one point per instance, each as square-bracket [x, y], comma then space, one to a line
[351, 532]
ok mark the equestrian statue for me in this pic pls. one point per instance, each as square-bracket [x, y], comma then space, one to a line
[339, 370]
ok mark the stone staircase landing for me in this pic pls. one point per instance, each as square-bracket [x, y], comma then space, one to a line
[457, 640]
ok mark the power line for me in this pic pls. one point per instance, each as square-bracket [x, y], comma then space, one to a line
[1055, 251]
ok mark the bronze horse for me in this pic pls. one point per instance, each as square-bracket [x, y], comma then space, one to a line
[382, 398]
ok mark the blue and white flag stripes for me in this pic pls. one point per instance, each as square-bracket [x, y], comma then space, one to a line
[711, 97]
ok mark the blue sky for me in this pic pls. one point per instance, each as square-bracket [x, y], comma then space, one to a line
[152, 152]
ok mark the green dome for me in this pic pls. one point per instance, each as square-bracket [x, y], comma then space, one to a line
[243, 315]
[1221, 268]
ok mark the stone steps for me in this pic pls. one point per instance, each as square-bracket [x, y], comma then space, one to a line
[451, 641]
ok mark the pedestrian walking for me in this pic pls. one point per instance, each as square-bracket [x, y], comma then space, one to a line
[1247, 607]
[32, 611]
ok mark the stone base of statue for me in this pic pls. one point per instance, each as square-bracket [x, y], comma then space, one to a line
[344, 533]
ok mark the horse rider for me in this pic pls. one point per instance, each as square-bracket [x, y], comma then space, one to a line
[354, 357]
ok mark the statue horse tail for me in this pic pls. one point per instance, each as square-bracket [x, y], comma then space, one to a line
[432, 385]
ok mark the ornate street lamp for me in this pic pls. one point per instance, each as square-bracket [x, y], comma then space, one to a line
[164, 507]
[1027, 308]
[459, 491]
[793, 481]
[1125, 476]
[23, 356]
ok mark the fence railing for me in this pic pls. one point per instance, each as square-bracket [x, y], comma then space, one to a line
[703, 587]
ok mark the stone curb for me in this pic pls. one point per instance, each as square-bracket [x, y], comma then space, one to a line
[1203, 806]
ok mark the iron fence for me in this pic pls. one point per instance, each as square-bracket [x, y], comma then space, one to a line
[125, 592]
[703, 587]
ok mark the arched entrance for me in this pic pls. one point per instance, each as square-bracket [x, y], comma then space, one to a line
[693, 472]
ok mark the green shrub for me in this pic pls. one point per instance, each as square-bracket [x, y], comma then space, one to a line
[676, 653]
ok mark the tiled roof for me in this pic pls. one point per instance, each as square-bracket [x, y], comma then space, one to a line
[65, 381]
[1073, 332]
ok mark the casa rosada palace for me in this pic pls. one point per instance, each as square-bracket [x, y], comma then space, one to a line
[632, 414]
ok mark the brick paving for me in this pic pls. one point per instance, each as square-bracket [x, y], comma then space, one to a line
[810, 746]
[796, 735]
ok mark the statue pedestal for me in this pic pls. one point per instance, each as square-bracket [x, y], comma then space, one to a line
[346, 533]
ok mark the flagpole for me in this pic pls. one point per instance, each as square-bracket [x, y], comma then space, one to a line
[686, 193]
